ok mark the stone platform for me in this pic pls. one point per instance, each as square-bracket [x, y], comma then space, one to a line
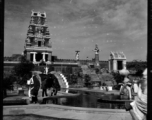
[66, 112]
[58, 111]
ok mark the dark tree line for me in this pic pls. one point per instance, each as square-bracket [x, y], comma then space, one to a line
[23, 70]
[19, 74]
[137, 66]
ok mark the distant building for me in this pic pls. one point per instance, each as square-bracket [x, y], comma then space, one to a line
[117, 61]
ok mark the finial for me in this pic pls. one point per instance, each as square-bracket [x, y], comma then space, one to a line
[32, 12]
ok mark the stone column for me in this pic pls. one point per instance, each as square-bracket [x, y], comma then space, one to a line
[109, 65]
[43, 56]
[50, 57]
[124, 64]
[34, 56]
[114, 65]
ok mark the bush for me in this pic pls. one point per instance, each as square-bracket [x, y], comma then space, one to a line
[118, 78]
[23, 70]
[108, 79]
[8, 84]
[138, 66]
[87, 80]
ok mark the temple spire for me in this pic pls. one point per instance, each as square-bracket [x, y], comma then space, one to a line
[96, 50]
[37, 43]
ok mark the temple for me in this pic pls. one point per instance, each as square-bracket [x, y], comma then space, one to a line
[37, 44]
[38, 49]
[117, 61]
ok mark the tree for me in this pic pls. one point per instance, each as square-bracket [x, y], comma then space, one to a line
[23, 70]
[97, 70]
[118, 77]
[108, 79]
[69, 70]
[87, 80]
[73, 80]
[137, 66]
[8, 83]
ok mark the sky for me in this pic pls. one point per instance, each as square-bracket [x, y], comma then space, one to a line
[114, 25]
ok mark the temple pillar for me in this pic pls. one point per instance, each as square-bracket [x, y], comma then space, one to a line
[34, 56]
[114, 65]
[109, 65]
[43, 56]
[50, 57]
[124, 64]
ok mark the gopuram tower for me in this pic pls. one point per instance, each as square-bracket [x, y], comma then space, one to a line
[37, 44]
[96, 50]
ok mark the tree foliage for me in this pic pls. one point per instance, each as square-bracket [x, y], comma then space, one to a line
[118, 77]
[108, 79]
[7, 83]
[87, 80]
[137, 66]
[23, 70]
[97, 70]
[74, 78]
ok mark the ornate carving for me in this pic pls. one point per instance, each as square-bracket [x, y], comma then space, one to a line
[38, 31]
[96, 50]
[27, 40]
[77, 55]
[49, 44]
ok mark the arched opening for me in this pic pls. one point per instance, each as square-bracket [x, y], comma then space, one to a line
[39, 43]
[39, 56]
[120, 65]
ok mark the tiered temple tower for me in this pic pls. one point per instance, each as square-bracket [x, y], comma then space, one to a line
[37, 44]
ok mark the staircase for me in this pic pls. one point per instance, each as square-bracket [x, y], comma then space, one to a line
[64, 79]
[61, 79]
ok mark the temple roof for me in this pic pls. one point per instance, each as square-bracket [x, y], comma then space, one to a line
[117, 55]
[38, 14]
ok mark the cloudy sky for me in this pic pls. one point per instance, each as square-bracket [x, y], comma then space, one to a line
[115, 25]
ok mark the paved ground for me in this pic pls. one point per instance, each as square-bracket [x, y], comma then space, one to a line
[58, 111]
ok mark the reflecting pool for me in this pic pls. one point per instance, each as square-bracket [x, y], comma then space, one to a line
[86, 99]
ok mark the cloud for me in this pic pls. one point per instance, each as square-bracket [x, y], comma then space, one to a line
[81, 24]
[89, 1]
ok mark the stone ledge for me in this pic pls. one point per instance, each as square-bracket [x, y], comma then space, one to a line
[60, 107]
[63, 112]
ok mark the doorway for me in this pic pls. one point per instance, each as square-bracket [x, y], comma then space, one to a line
[39, 43]
[39, 57]
[120, 66]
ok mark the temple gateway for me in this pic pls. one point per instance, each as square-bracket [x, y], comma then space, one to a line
[37, 44]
